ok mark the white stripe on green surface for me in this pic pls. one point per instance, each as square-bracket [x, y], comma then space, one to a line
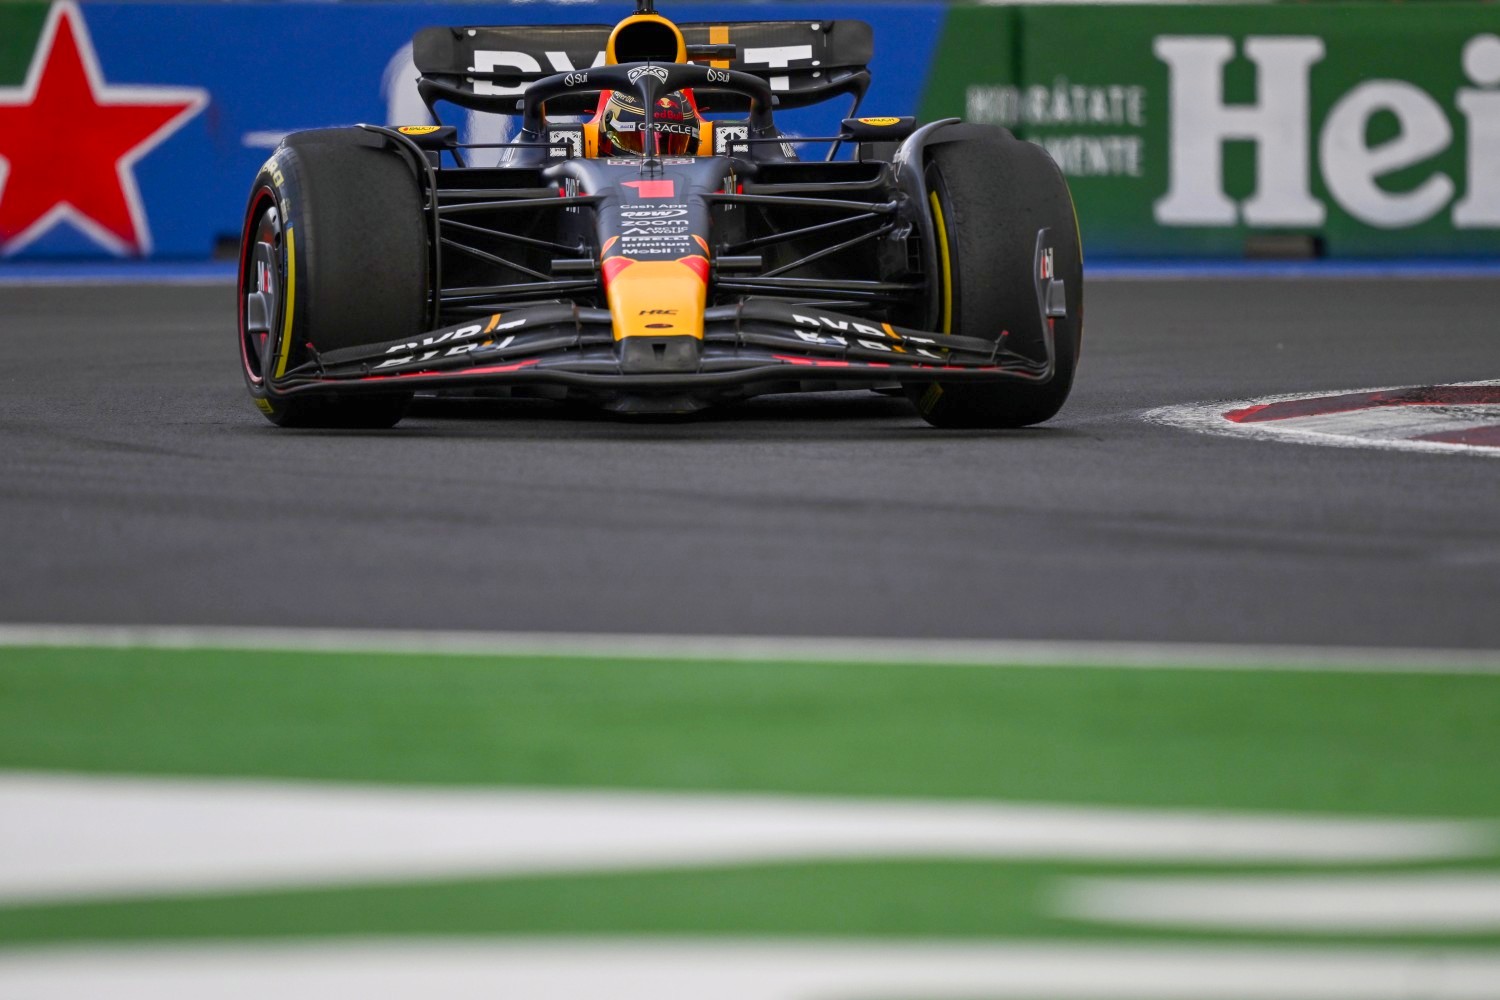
[936, 652]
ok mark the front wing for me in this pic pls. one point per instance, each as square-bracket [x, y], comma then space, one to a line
[757, 341]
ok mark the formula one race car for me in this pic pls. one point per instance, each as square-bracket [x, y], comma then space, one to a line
[651, 243]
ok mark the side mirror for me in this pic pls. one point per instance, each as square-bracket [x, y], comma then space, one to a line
[878, 129]
[430, 136]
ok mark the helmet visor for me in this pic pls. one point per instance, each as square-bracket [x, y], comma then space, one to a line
[674, 123]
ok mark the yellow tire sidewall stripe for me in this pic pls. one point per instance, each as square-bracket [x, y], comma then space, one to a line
[291, 298]
[945, 261]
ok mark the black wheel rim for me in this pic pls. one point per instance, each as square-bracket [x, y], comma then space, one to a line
[262, 277]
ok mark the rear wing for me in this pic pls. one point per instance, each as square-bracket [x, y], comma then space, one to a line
[488, 68]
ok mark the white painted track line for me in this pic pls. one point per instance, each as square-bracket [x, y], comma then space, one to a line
[940, 652]
[1444, 903]
[694, 969]
[166, 836]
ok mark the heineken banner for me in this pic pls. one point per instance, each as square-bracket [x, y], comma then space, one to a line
[131, 129]
[1367, 129]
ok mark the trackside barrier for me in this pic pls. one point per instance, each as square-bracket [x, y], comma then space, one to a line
[136, 128]
[1353, 130]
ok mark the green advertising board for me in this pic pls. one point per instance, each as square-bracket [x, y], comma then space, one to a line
[1361, 129]
[19, 26]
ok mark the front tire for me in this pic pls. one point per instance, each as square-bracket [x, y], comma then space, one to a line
[990, 194]
[334, 254]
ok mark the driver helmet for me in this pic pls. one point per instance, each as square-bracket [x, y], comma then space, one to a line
[674, 120]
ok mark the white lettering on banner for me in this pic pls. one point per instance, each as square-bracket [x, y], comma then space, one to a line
[1063, 103]
[1096, 155]
[1279, 124]
[1480, 205]
[1351, 168]
[1201, 123]
[778, 57]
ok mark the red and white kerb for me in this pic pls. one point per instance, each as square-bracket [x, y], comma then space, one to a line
[1433, 418]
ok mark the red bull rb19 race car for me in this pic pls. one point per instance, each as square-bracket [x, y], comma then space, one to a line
[649, 241]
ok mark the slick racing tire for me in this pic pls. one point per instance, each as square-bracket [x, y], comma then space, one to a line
[334, 254]
[989, 194]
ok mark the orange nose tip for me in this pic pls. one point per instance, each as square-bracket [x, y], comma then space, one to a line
[656, 298]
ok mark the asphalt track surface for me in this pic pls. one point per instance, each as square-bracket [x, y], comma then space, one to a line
[139, 486]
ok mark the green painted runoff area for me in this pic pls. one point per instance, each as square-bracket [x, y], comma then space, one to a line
[1370, 744]
[1421, 745]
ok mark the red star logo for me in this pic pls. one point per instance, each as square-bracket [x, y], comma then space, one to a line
[69, 141]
